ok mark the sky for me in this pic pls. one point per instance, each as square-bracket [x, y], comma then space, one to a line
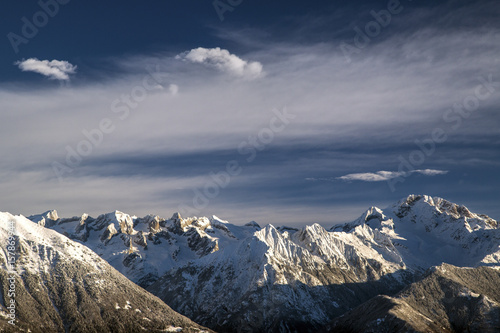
[282, 112]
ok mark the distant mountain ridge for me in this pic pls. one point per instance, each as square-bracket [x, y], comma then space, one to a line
[262, 279]
[428, 231]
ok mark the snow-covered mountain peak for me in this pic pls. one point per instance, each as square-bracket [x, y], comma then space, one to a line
[269, 234]
[180, 225]
[424, 204]
[215, 218]
[122, 221]
[45, 219]
[176, 216]
[252, 224]
[373, 217]
[373, 212]
[429, 230]
[434, 212]
[311, 233]
[37, 245]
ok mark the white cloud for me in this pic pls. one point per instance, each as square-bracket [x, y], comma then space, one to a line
[378, 176]
[54, 69]
[431, 172]
[223, 61]
[381, 176]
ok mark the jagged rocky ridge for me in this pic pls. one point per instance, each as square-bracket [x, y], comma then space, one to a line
[63, 286]
[427, 231]
[253, 279]
[143, 249]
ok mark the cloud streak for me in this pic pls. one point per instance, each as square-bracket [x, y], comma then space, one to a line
[54, 69]
[223, 61]
[381, 176]
[348, 118]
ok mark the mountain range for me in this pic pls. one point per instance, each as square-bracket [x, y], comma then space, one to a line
[422, 264]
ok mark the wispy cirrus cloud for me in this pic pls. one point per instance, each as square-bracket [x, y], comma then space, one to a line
[381, 176]
[224, 61]
[356, 117]
[53, 69]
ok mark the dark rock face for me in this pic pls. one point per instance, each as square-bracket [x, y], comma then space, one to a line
[141, 239]
[200, 244]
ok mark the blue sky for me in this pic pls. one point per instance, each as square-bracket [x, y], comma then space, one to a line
[284, 112]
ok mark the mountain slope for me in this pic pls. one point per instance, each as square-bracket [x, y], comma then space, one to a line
[62, 286]
[447, 299]
[277, 281]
